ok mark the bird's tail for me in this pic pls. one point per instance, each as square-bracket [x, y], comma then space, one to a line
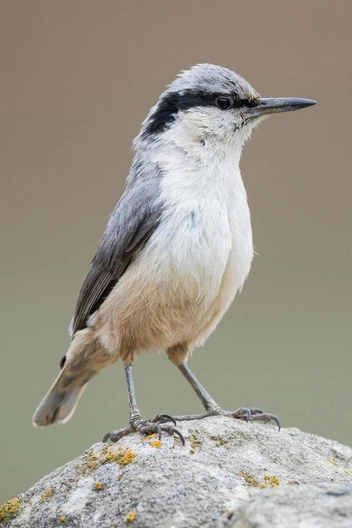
[83, 360]
[60, 402]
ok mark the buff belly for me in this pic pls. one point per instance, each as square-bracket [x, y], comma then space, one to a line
[158, 303]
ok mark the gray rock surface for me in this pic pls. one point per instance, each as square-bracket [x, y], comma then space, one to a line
[229, 474]
[319, 506]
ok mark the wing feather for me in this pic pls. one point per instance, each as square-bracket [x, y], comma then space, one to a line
[133, 221]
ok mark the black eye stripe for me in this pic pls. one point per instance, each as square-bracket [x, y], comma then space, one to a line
[191, 100]
[173, 102]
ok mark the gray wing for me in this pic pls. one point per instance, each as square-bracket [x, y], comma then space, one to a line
[133, 221]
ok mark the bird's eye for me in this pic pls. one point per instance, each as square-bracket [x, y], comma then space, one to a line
[224, 103]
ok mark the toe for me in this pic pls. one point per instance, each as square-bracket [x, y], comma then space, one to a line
[106, 437]
[180, 435]
[162, 418]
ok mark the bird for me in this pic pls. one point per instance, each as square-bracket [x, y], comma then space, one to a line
[176, 249]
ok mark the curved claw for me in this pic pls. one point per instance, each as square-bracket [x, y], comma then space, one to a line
[106, 438]
[180, 436]
[115, 436]
[168, 418]
[158, 430]
[161, 418]
[267, 417]
[276, 419]
[241, 413]
[255, 410]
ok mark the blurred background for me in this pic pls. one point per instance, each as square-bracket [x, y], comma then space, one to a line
[77, 79]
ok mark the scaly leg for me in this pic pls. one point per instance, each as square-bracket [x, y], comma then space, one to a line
[213, 409]
[156, 425]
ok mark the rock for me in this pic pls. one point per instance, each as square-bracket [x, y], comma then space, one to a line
[319, 506]
[229, 474]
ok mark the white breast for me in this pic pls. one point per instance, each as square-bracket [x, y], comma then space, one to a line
[205, 230]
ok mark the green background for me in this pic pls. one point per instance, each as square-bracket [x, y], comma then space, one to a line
[77, 79]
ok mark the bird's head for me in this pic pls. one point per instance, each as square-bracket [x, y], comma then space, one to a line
[211, 106]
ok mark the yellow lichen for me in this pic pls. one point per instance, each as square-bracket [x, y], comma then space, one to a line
[347, 472]
[195, 443]
[249, 480]
[9, 508]
[63, 518]
[156, 443]
[91, 462]
[98, 486]
[269, 481]
[107, 455]
[122, 456]
[110, 456]
[273, 482]
[127, 458]
[219, 440]
[130, 517]
[154, 435]
[50, 492]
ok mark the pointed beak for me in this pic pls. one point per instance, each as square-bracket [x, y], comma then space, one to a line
[282, 104]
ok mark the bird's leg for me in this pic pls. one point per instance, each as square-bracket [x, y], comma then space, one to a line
[209, 404]
[214, 409]
[155, 425]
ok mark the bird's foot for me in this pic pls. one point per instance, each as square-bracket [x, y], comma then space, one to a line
[248, 415]
[159, 424]
[251, 415]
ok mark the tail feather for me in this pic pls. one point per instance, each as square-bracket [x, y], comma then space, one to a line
[84, 359]
[60, 402]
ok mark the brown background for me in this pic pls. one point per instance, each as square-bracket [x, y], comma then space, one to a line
[77, 78]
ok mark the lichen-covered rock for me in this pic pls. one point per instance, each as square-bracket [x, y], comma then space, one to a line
[319, 506]
[229, 474]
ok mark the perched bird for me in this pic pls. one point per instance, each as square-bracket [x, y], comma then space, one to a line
[176, 249]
